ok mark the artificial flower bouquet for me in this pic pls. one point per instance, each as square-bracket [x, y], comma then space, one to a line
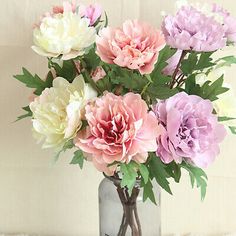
[141, 104]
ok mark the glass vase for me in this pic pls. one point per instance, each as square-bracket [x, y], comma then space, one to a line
[121, 214]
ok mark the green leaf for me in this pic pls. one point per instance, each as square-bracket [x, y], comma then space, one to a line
[129, 176]
[188, 65]
[106, 20]
[166, 53]
[67, 71]
[78, 159]
[92, 60]
[197, 175]
[191, 87]
[148, 192]
[144, 172]
[160, 92]
[232, 129]
[68, 145]
[205, 61]
[224, 118]
[28, 114]
[229, 60]
[174, 170]
[157, 170]
[32, 81]
[211, 90]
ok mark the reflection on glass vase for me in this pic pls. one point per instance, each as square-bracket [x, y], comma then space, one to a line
[121, 214]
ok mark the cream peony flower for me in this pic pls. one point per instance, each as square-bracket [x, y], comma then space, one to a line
[64, 34]
[58, 111]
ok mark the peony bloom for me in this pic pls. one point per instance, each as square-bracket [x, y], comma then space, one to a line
[58, 111]
[136, 46]
[188, 130]
[120, 129]
[98, 74]
[190, 29]
[67, 7]
[64, 34]
[92, 12]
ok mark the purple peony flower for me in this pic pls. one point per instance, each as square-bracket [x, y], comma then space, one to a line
[190, 29]
[188, 130]
[228, 21]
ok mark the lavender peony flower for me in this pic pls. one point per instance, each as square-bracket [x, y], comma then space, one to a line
[190, 29]
[188, 130]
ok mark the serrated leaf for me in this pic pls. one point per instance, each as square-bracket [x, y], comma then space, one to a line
[129, 176]
[28, 114]
[68, 145]
[205, 61]
[148, 192]
[188, 65]
[229, 59]
[211, 90]
[160, 92]
[174, 170]
[157, 170]
[198, 176]
[32, 81]
[67, 71]
[78, 159]
[144, 172]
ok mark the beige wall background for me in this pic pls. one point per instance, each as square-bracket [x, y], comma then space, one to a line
[61, 200]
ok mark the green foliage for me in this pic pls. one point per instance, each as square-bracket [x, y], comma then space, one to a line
[148, 191]
[144, 173]
[197, 176]
[34, 81]
[188, 65]
[226, 61]
[197, 62]
[67, 71]
[160, 92]
[28, 114]
[225, 118]
[129, 172]
[166, 53]
[157, 171]
[174, 171]
[205, 61]
[68, 145]
[91, 60]
[78, 159]
[211, 90]
[232, 129]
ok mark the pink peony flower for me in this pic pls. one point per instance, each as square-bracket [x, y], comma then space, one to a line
[119, 129]
[188, 130]
[98, 74]
[136, 46]
[172, 63]
[92, 12]
[67, 7]
[192, 30]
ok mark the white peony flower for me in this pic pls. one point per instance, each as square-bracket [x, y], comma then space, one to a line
[64, 34]
[58, 111]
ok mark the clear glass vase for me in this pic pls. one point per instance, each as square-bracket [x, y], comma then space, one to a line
[124, 215]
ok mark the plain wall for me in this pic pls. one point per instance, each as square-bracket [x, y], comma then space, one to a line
[39, 197]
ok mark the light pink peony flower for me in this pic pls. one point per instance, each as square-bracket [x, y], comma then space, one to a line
[92, 12]
[188, 130]
[119, 129]
[136, 46]
[67, 7]
[190, 29]
[98, 74]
